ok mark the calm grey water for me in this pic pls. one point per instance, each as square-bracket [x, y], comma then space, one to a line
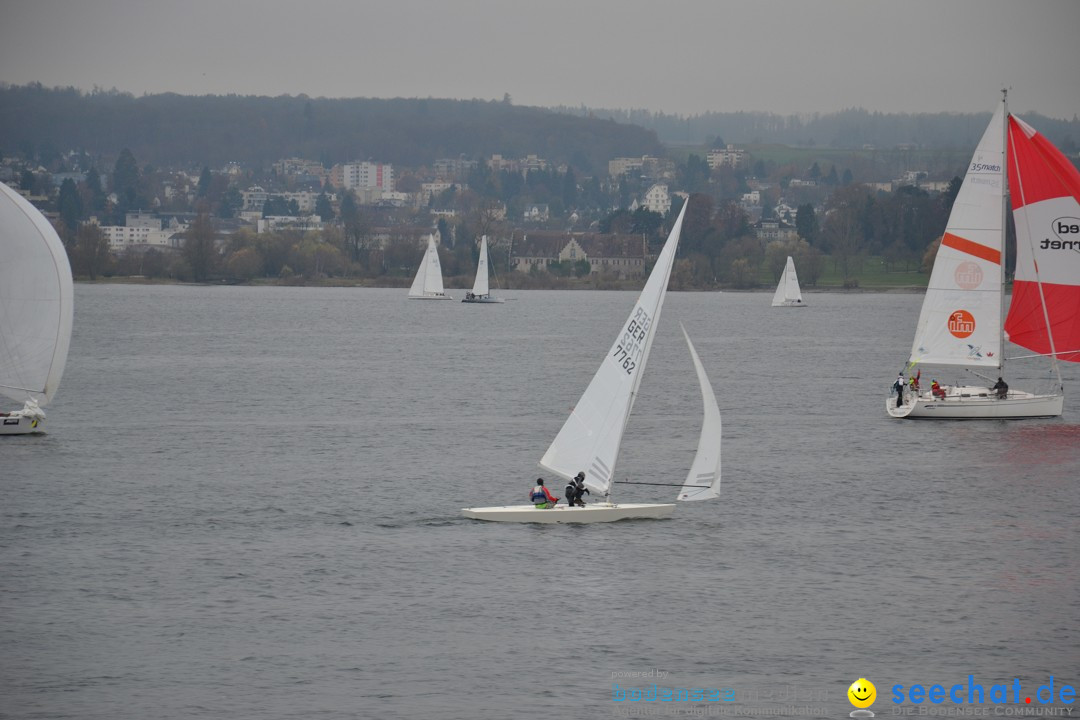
[247, 506]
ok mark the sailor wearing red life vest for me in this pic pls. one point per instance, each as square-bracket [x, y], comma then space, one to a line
[937, 390]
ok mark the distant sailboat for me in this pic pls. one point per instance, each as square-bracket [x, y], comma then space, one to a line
[788, 293]
[428, 284]
[36, 311]
[591, 437]
[960, 324]
[480, 290]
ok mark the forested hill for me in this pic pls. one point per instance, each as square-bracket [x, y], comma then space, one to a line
[211, 130]
[852, 128]
[174, 130]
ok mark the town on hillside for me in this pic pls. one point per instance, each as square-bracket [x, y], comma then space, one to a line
[367, 222]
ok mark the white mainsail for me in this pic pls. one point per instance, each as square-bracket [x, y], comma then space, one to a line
[960, 322]
[703, 480]
[590, 438]
[36, 302]
[428, 281]
[480, 285]
[787, 291]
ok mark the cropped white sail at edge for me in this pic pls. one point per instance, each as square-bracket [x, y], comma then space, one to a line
[36, 302]
[590, 438]
[703, 480]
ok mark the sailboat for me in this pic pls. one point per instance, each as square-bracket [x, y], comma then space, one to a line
[428, 284]
[960, 324]
[590, 439]
[480, 291]
[787, 292]
[36, 310]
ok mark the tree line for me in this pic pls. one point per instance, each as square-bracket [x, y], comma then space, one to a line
[172, 130]
[849, 128]
[718, 247]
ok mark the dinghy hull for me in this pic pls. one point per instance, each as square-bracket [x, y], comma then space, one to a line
[592, 513]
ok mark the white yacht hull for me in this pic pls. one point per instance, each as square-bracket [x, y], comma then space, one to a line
[591, 513]
[23, 422]
[430, 297]
[976, 403]
[789, 303]
[485, 300]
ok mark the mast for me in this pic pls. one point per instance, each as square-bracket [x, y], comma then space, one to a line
[1004, 225]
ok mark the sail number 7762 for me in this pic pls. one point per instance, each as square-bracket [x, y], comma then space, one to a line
[629, 347]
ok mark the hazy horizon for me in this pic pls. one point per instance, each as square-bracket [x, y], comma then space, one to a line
[685, 58]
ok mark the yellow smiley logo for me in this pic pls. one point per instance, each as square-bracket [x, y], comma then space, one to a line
[862, 693]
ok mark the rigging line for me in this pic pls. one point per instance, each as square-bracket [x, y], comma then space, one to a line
[1011, 145]
[494, 274]
[631, 482]
[1039, 355]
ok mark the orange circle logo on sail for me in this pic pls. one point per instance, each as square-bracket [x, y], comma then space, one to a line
[961, 323]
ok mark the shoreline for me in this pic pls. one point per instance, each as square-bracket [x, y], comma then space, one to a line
[597, 286]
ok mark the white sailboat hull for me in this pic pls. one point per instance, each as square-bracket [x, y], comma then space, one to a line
[591, 513]
[789, 303]
[431, 297]
[486, 300]
[29, 420]
[976, 403]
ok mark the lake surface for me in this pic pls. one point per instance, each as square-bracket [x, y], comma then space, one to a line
[248, 506]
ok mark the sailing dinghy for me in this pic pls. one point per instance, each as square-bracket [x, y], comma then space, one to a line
[428, 284]
[788, 293]
[36, 310]
[590, 438]
[961, 320]
[480, 291]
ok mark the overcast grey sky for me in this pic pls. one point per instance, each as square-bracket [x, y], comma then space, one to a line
[676, 56]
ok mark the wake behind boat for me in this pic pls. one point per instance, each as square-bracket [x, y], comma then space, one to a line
[36, 311]
[961, 320]
[590, 439]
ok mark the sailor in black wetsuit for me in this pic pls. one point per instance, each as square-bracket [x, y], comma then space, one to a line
[575, 489]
